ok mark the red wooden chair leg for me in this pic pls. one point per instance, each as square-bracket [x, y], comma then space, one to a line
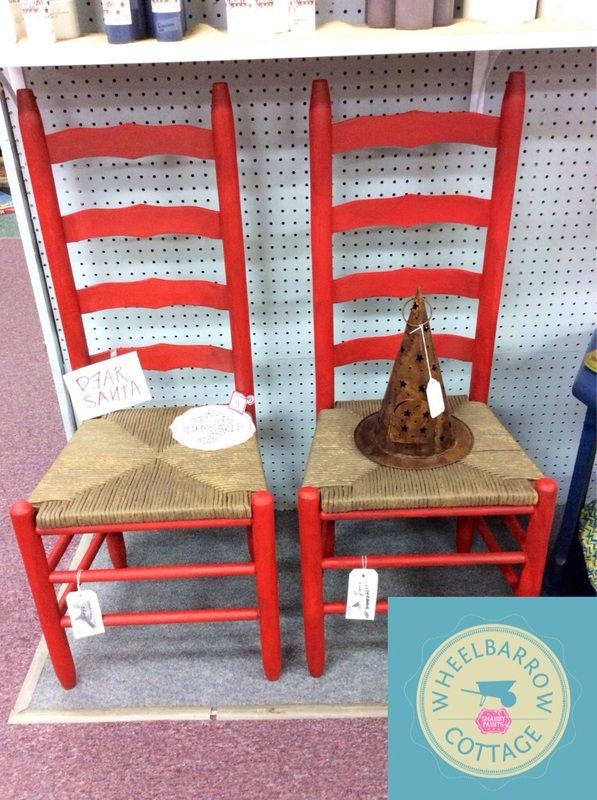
[328, 530]
[33, 553]
[537, 539]
[312, 578]
[117, 550]
[264, 545]
[464, 534]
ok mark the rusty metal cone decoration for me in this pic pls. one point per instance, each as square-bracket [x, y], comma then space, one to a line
[404, 433]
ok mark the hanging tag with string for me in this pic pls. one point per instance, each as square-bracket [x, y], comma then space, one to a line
[84, 611]
[362, 592]
[433, 390]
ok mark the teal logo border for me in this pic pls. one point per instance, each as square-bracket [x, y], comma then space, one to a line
[450, 641]
[419, 625]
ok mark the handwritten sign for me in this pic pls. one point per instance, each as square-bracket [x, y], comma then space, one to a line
[107, 386]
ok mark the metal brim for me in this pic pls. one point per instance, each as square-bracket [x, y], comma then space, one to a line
[382, 452]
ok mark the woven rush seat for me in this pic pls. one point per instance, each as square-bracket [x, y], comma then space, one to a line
[125, 467]
[496, 472]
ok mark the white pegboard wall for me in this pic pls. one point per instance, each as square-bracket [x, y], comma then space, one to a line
[546, 315]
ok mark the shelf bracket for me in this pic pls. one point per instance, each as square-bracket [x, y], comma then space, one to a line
[482, 66]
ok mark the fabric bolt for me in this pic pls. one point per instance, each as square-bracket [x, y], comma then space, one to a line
[496, 472]
[126, 467]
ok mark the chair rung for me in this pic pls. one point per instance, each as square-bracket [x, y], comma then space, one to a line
[58, 550]
[174, 617]
[516, 529]
[409, 210]
[130, 141]
[335, 607]
[84, 564]
[415, 129]
[405, 281]
[152, 293]
[492, 545]
[157, 573]
[380, 348]
[424, 560]
[440, 511]
[140, 527]
[176, 356]
[142, 220]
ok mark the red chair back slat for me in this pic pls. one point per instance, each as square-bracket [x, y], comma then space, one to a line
[382, 348]
[136, 141]
[405, 282]
[175, 356]
[409, 210]
[415, 129]
[152, 293]
[410, 130]
[130, 141]
[141, 220]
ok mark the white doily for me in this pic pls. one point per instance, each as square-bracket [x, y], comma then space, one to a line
[212, 428]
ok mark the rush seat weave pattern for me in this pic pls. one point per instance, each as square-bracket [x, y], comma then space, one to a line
[126, 467]
[496, 472]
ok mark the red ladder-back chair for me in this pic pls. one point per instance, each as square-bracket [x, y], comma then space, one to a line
[150, 504]
[325, 499]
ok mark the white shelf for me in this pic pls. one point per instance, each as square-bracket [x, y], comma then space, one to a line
[205, 43]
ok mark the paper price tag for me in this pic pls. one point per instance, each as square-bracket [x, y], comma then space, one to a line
[116, 12]
[239, 402]
[118, 382]
[362, 594]
[435, 398]
[85, 613]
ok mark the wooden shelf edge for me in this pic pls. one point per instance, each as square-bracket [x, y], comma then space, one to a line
[205, 43]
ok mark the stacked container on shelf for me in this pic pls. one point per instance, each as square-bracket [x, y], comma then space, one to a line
[12, 27]
[258, 17]
[165, 20]
[421, 14]
[41, 21]
[45, 21]
[409, 14]
[502, 14]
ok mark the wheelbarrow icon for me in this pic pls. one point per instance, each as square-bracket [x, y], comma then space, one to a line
[497, 689]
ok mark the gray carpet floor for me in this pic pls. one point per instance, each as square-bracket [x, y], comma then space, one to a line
[8, 225]
[219, 664]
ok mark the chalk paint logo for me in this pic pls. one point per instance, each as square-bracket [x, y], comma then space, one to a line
[493, 701]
